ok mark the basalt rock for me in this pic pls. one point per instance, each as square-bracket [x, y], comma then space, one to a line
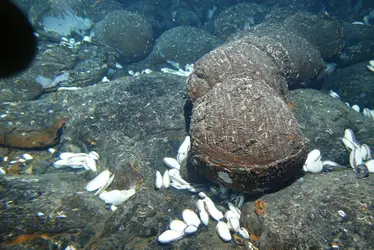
[244, 134]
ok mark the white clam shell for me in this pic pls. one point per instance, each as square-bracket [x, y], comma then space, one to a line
[233, 224]
[107, 184]
[172, 163]
[313, 167]
[178, 225]
[356, 108]
[202, 195]
[98, 181]
[184, 149]
[204, 217]
[370, 67]
[27, 157]
[244, 233]
[90, 164]
[200, 205]
[212, 209]
[166, 179]
[178, 186]
[94, 155]
[370, 166]
[314, 155]
[169, 236]
[229, 214]
[328, 163]
[223, 231]
[365, 152]
[366, 112]
[349, 135]
[313, 162]
[178, 179]
[158, 180]
[190, 229]
[116, 197]
[236, 211]
[355, 158]
[191, 218]
[349, 144]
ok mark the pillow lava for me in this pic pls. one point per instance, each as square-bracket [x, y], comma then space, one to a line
[126, 32]
[183, 44]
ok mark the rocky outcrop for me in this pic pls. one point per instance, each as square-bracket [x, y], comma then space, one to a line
[245, 136]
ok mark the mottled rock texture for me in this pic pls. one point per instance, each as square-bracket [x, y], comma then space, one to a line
[128, 33]
[245, 136]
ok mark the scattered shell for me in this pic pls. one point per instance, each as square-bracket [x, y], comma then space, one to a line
[105, 186]
[212, 209]
[233, 224]
[190, 229]
[116, 197]
[356, 107]
[98, 181]
[172, 163]
[370, 166]
[166, 179]
[349, 144]
[191, 218]
[27, 157]
[90, 164]
[158, 180]
[365, 152]
[314, 155]
[313, 162]
[94, 155]
[355, 158]
[184, 149]
[51, 150]
[244, 233]
[169, 236]
[334, 94]
[370, 67]
[223, 231]
[204, 216]
[234, 209]
[178, 225]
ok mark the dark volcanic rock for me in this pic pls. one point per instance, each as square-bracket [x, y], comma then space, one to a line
[306, 214]
[238, 17]
[244, 135]
[323, 120]
[182, 44]
[128, 33]
[353, 85]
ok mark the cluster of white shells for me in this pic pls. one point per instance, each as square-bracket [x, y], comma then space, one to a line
[314, 163]
[172, 176]
[226, 223]
[370, 66]
[114, 197]
[101, 182]
[78, 160]
[366, 112]
[359, 154]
